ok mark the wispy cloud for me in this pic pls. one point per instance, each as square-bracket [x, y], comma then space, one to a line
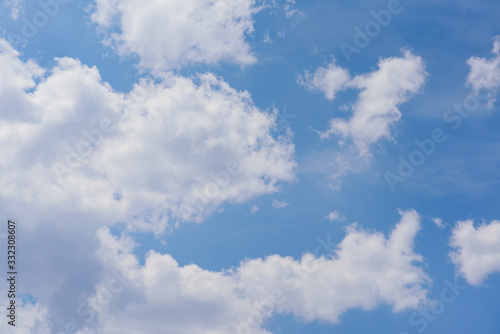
[279, 204]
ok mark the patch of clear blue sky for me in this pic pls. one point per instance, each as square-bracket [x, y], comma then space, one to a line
[458, 182]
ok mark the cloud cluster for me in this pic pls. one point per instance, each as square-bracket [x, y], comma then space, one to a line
[81, 155]
[485, 74]
[365, 270]
[175, 148]
[476, 250]
[174, 33]
[382, 91]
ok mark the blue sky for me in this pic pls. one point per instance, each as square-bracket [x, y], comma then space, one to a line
[186, 84]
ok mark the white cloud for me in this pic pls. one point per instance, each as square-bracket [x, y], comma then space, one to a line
[365, 270]
[485, 74]
[382, 92]
[476, 250]
[111, 291]
[267, 38]
[178, 148]
[254, 209]
[279, 204]
[328, 80]
[169, 34]
[439, 222]
[335, 216]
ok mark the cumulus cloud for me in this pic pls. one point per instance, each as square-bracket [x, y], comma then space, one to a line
[169, 34]
[194, 300]
[485, 74]
[395, 82]
[365, 270]
[476, 250]
[176, 148]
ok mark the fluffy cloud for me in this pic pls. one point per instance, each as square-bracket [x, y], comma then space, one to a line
[382, 92]
[365, 270]
[485, 74]
[328, 80]
[169, 34]
[189, 299]
[176, 148]
[477, 250]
